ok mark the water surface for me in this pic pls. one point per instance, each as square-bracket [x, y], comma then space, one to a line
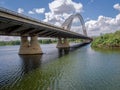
[80, 69]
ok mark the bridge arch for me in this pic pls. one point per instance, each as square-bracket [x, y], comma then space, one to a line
[68, 22]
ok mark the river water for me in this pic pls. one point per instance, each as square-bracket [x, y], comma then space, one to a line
[81, 69]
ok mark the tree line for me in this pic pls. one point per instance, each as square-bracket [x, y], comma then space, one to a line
[41, 41]
[111, 40]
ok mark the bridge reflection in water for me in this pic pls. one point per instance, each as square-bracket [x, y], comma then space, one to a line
[31, 62]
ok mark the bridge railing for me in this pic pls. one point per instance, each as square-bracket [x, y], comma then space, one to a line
[27, 17]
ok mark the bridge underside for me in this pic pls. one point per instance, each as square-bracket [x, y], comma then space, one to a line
[17, 28]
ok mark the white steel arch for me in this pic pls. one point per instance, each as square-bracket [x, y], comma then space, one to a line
[68, 22]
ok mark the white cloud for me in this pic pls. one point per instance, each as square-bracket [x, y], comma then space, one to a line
[103, 25]
[65, 6]
[40, 10]
[31, 12]
[37, 11]
[20, 10]
[117, 6]
[60, 10]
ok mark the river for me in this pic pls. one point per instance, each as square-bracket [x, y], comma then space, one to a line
[81, 69]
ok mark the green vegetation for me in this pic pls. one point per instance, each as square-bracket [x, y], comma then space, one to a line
[47, 41]
[111, 40]
[41, 41]
[4, 43]
[75, 40]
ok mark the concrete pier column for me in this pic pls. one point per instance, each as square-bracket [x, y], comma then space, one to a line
[35, 46]
[63, 44]
[24, 45]
[66, 43]
[31, 47]
[59, 43]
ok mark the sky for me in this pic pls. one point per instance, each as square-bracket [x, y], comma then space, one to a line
[100, 16]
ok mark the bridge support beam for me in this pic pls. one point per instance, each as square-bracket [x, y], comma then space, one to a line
[31, 47]
[62, 44]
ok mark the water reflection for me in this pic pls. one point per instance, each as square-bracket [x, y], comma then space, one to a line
[83, 69]
[30, 62]
[63, 51]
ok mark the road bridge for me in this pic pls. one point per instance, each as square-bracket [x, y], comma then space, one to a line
[15, 24]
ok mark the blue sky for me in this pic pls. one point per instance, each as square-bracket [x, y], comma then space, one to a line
[99, 7]
[101, 16]
[92, 8]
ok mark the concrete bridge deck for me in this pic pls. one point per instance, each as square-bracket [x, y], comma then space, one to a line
[15, 24]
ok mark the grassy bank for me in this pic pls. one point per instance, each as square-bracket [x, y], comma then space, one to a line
[111, 40]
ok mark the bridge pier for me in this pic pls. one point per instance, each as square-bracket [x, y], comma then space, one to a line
[31, 47]
[62, 44]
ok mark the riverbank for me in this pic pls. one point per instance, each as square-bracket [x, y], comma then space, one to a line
[17, 42]
[111, 40]
[41, 41]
